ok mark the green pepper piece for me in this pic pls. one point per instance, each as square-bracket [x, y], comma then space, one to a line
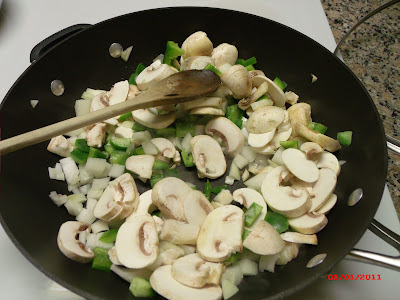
[234, 258]
[250, 68]
[96, 153]
[138, 127]
[207, 190]
[108, 148]
[240, 61]
[245, 233]
[119, 157]
[252, 214]
[345, 137]
[290, 144]
[263, 97]
[216, 190]
[210, 67]
[101, 261]
[278, 221]
[170, 173]
[183, 128]
[124, 117]
[187, 159]
[155, 177]
[82, 145]
[235, 114]
[109, 236]
[160, 165]
[250, 61]
[141, 288]
[280, 83]
[156, 213]
[165, 132]
[138, 151]
[231, 100]
[79, 156]
[120, 143]
[317, 127]
[140, 67]
[172, 51]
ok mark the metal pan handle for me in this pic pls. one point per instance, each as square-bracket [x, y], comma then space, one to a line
[48, 43]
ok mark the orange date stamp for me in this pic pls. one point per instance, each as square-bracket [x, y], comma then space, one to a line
[354, 277]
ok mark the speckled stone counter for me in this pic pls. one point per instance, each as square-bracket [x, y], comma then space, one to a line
[373, 53]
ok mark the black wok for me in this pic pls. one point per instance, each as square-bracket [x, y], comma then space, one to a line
[338, 100]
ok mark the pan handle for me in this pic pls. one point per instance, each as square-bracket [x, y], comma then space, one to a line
[48, 43]
[386, 261]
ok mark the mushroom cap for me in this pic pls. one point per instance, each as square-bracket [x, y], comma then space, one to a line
[327, 160]
[197, 44]
[120, 92]
[146, 118]
[265, 119]
[137, 242]
[300, 113]
[246, 197]
[70, 246]
[309, 223]
[179, 233]
[215, 102]
[237, 79]
[165, 147]
[299, 238]
[196, 207]
[274, 91]
[228, 131]
[324, 141]
[141, 165]
[145, 205]
[311, 148]
[164, 284]
[196, 62]
[328, 205]
[99, 101]
[154, 74]
[225, 54]
[264, 239]
[323, 188]
[169, 195]
[283, 199]
[221, 233]
[299, 165]
[60, 145]
[260, 139]
[208, 156]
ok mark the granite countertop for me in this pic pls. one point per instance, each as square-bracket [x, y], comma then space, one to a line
[372, 52]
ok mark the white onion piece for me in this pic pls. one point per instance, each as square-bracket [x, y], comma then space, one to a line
[262, 159]
[95, 193]
[100, 183]
[128, 274]
[73, 207]
[91, 204]
[79, 197]
[229, 180]
[34, 103]
[84, 189]
[101, 244]
[116, 170]
[72, 140]
[127, 124]
[76, 132]
[91, 241]
[58, 199]
[70, 170]
[86, 216]
[240, 161]
[149, 148]
[249, 153]
[140, 137]
[267, 263]
[97, 167]
[52, 173]
[82, 107]
[234, 171]
[89, 94]
[186, 142]
[126, 53]
[255, 182]
[342, 162]
[99, 226]
[76, 190]
[84, 176]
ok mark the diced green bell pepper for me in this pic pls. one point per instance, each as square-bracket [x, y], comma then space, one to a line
[155, 177]
[183, 128]
[138, 151]
[120, 143]
[317, 127]
[280, 83]
[109, 236]
[210, 67]
[140, 67]
[165, 132]
[170, 173]
[278, 221]
[172, 51]
[345, 137]
[79, 156]
[82, 145]
[250, 68]
[234, 258]
[252, 214]
[247, 62]
[108, 148]
[160, 165]
[290, 144]
[235, 114]
[101, 260]
[245, 234]
[216, 190]
[207, 189]
[118, 157]
[124, 117]
[141, 288]
[96, 153]
[138, 127]
[187, 159]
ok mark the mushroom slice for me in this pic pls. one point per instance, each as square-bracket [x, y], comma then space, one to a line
[99, 101]
[196, 63]
[145, 205]
[299, 165]
[137, 242]
[274, 91]
[128, 274]
[60, 146]
[309, 223]
[96, 135]
[169, 195]
[328, 205]
[207, 111]
[208, 157]
[141, 165]
[179, 233]
[246, 197]
[264, 239]
[323, 188]
[246, 102]
[237, 79]
[192, 270]
[215, 102]
[300, 113]
[311, 148]
[288, 253]
[271, 147]
[224, 54]
[164, 284]
[120, 92]
[283, 199]
[327, 160]
[112, 254]
[265, 119]
[165, 147]
[70, 246]
[196, 207]
[154, 74]
[197, 44]
[146, 118]
[106, 208]
[168, 254]
[324, 141]
[261, 139]
[228, 131]
[299, 238]
[221, 233]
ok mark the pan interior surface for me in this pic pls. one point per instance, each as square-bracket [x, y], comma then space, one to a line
[338, 100]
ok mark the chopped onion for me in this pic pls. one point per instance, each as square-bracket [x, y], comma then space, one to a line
[91, 204]
[140, 137]
[245, 175]
[289, 252]
[153, 110]
[76, 132]
[256, 181]
[100, 183]
[267, 262]
[52, 173]
[95, 193]
[128, 274]
[262, 159]
[97, 167]
[229, 180]
[70, 170]
[126, 53]
[91, 241]
[101, 244]
[186, 142]
[272, 164]
[248, 267]
[277, 158]
[99, 226]
[116, 170]
[84, 176]
[253, 168]
[89, 94]
[71, 187]
[149, 148]
[76, 191]
[233, 274]
[127, 124]
[59, 172]
[84, 189]
[72, 140]
[58, 199]
[245, 133]
[34, 103]
[160, 58]
[224, 197]
[249, 153]
[77, 198]
[82, 107]
[240, 161]
[342, 162]
[73, 207]
[234, 171]
[313, 78]
[86, 216]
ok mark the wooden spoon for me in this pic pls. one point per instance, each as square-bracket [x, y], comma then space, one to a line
[180, 87]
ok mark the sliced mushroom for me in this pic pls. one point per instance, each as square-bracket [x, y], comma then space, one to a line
[324, 141]
[141, 165]
[224, 54]
[197, 44]
[133, 91]
[328, 205]
[221, 233]
[165, 147]
[192, 270]
[291, 97]
[253, 97]
[288, 253]
[299, 165]
[264, 239]
[274, 91]
[265, 119]
[231, 135]
[207, 111]
[237, 79]
[196, 207]
[196, 63]
[99, 101]
[280, 136]
[96, 135]
[215, 102]
[309, 223]
[246, 197]
[146, 118]
[327, 160]
[299, 113]
[120, 92]
[169, 195]
[164, 284]
[323, 188]
[137, 242]
[112, 254]
[154, 74]
[70, 246]
[123, 132]
[256, 73]
[208, 157]
[283, 199]
[299, 238]
[261, 139]
[145, 205]
[59, 145]
[178, 232]
[168, 254]
[311, 148]
[159, 224]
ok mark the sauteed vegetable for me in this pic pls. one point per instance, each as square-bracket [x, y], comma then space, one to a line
[174, 239]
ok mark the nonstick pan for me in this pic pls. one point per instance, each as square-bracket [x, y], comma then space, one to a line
[81, 60]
